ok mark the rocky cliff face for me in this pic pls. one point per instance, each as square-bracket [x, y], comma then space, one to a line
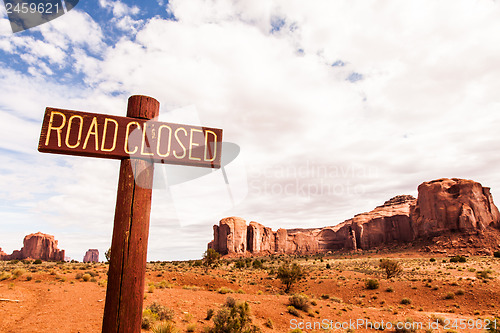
[92, 255]
[38, 246]
[453, 205]
[442, 206]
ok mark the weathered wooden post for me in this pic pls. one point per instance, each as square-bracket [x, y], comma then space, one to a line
[129, 246]
[97, 135]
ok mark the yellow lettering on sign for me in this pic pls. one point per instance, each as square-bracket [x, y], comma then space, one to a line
[58, 129]
[92, 131]
[180, 143]
[70, 121]
[159, 140]
[206, 146]
[127, 133]
[144, 141]
[191, 144]
[104, 132]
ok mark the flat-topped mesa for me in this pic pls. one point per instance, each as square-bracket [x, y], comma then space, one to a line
[38, 246]
[443, 205]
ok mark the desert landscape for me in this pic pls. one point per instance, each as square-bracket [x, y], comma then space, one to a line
[68, 297]
[426, 264]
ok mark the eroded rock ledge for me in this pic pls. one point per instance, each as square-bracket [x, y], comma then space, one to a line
[443, 205]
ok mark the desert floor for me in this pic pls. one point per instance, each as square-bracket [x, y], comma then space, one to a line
[54, 297]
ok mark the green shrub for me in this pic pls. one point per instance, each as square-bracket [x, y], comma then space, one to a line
[458, 258]
[257, 264]
[211, 258]
[290, 274]
[239, 264]
[37, 261]
[86, 277]
[486, 274]
[5, 276]
[234, 319]
[328, 266]
[390, 289]
[496, 254]
[432, 259]
[299, 301]
[406, 301]
[372, 284]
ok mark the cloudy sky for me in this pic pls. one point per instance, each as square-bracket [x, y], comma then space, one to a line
[335, 106]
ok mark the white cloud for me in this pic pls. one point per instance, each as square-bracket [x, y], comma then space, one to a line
[119, 8]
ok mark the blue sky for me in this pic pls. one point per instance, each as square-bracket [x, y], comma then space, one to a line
[337, 106]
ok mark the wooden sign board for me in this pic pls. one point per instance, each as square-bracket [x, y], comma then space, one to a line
[98, 135]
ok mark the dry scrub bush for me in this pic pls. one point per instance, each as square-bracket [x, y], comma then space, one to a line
[290, 274]
[293, 311]
[161, 311]
[234, 319]
[299, 301]
[167, 327]
[18, 272]
[392, 267]
[148, 319]
[372, 284]
[225, 290]
[5, 276]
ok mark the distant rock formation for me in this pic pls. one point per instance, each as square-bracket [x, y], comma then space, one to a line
[92, 255]
[443, 205]
[2, 254]
[38, 246]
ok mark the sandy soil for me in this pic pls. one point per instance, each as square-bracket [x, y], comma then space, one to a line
[52, 298]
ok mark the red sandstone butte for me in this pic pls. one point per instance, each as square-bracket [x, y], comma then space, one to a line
[443, 205]
[453, 205]
[92, 255]
[38, 246]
